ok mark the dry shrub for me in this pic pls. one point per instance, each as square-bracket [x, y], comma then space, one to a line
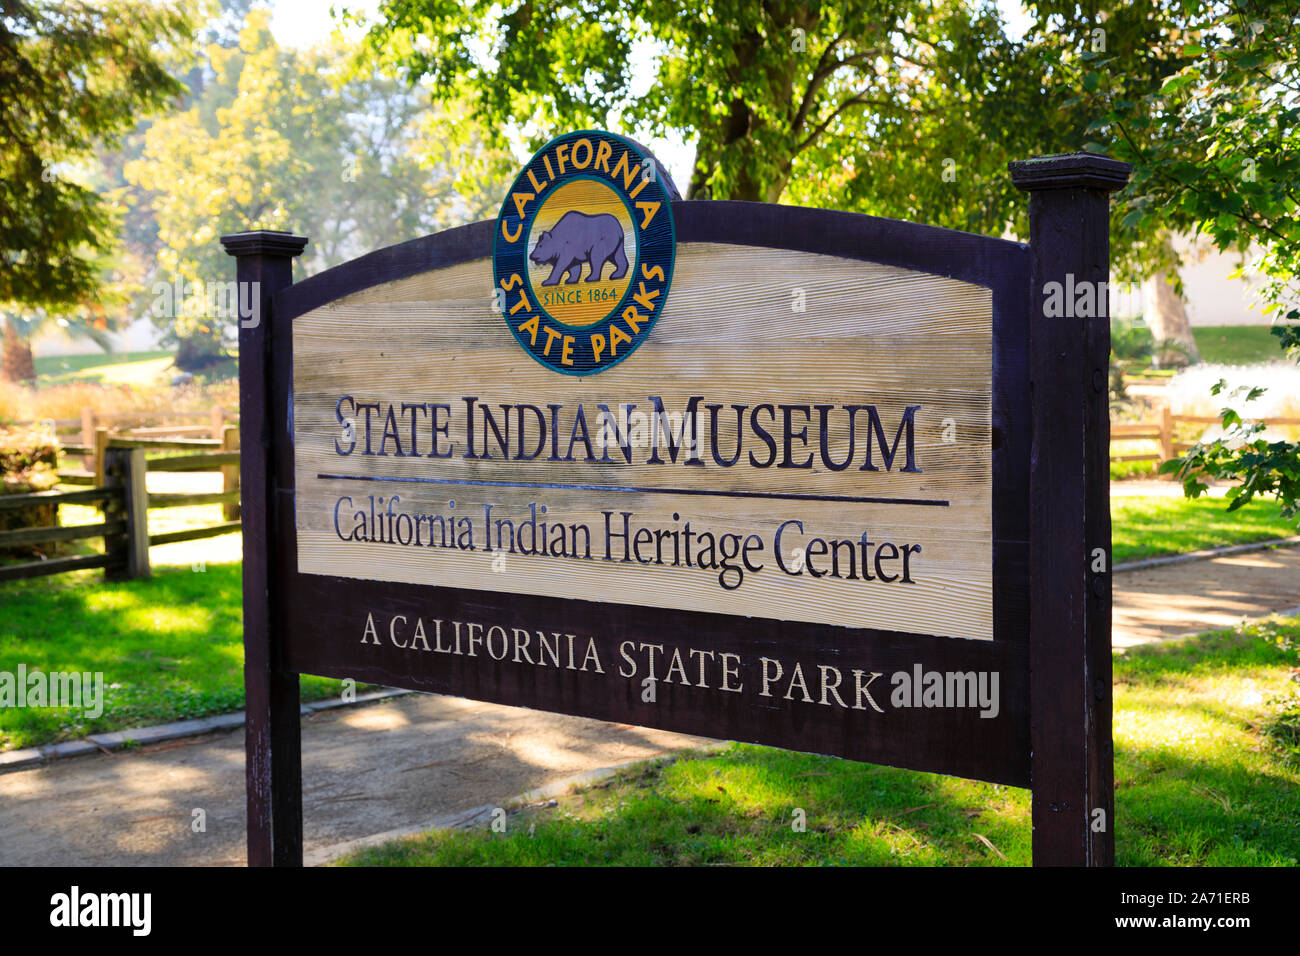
[20, 403]
[28, 462]
[67, 401]
[15, 402]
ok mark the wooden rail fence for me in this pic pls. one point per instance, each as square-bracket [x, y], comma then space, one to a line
[1164, 431]
[122, 494]
[77, 436]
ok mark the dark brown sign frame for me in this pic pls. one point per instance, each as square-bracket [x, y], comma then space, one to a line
[1050, 430]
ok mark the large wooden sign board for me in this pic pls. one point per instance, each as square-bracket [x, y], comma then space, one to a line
[802, 494]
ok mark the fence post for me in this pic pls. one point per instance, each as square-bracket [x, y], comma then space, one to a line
[218, 419]
[273, 736]
[125, 471]
[230, 473]
[1072, 766]
[1166, 433]
[100, 443]
[88, 438]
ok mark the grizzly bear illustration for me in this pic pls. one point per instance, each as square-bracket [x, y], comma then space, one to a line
[578, 238]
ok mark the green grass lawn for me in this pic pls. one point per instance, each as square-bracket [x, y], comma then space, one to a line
[1199, 781]
[1146, 374]
[59, 369]
[1237, 344]
[170, 647]
[1220, 345]
[1148, 527]
[122, 368]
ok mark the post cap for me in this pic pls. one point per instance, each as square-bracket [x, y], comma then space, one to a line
[1069, 171]
[263, 242]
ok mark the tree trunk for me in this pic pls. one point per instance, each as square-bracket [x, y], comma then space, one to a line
[1166, 316]
[17, 363]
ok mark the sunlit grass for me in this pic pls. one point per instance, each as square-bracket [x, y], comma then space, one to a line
[1149, 526]
[219, 549]
[170, 648]
[52, 369]
[1236, 344]
[1196, 783]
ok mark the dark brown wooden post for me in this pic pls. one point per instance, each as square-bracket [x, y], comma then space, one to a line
[1072, 765]
[272, 739]
[126, 471]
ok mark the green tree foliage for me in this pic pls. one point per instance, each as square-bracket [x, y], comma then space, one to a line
[1216, 149]
[1215, 144]
[91, 319]
[71, 76]
[1199, 98]
[218, 22]
[880, 106]
[279, 138]
[892, 107]
[912, 109]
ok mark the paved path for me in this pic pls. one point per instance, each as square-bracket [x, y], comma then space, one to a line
[1176, 600]
[411, 760]
[366, 770]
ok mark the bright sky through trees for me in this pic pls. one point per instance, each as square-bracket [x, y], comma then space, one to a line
[303, 23]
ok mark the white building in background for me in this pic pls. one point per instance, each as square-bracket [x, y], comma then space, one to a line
[1212, 298]
[140, 336]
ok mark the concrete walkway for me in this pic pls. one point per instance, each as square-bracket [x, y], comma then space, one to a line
[1178, 600]
[411, 760]
[391, 765]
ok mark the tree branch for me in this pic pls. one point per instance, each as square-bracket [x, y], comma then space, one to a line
[814, 83]
[1162, 175]
[858, 99]
[824, 72]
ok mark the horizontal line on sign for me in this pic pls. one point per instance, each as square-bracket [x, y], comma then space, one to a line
[852, 499]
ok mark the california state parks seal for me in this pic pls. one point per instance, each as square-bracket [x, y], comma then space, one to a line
[584, 251]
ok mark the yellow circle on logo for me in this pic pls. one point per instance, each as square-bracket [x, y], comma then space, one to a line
[582, 251]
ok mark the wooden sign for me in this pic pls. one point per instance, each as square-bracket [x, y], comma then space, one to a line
[745, 471]
[817, 471]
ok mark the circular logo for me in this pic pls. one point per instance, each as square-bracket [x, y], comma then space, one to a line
[584, 251]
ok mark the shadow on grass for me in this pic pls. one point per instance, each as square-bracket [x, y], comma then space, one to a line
[746, 806]
[1198, 781]
[169, 647]
[1196, 784]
